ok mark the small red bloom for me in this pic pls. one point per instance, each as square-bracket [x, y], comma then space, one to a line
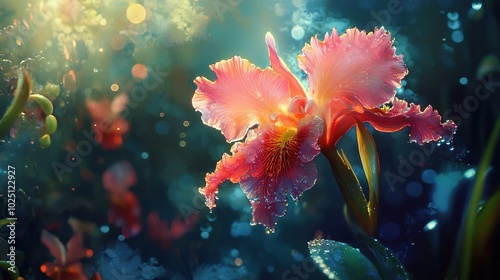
[164, 234]
[107, 124]
[125, 210]
[67, 265]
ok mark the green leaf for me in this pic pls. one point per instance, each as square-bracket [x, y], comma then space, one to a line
[12, 271]
[371, 166]
[338, 260]
[45, 141]
[477, 193]
[44, 103]
[51, 124]
[487, 220]
[20, 98]
[5, 221]
[349, 186]
[386, 263]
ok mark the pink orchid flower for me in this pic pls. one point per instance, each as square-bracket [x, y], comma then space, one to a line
[352, 79]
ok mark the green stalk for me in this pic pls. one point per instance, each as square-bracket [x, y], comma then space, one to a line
[349, 186]
[13, 272]
[477, 193]
[371, 166]
[21, 97]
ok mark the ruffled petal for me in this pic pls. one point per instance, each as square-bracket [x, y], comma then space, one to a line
[231, 167]
[280, 67]
[242, 96]
[355, 67]
[275, 161]
[283, 165]
[425, 125]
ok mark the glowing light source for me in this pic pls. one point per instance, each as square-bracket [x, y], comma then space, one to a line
[103, 22]
[115, 87]
[430, 225]
[457, 36]
[205, 234]
[139, 71]
[452, 16]
[470, 173]
[298, 32]
[238, 261]
[89, 253]
[136, 13]
[104, 229]
[477, 5]
[234, 253]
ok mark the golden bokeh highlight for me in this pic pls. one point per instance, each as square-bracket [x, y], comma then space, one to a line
[115, 87]
[136, 13]
[139, 71]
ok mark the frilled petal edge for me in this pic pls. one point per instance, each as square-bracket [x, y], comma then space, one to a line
[274, 162]
[242, 96]
[425, 126]
[354, 67]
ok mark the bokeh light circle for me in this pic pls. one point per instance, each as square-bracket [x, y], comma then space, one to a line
[136, 13]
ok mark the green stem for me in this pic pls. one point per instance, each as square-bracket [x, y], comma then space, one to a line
[477, 193]
[371, 166]
[12, 271]
[21, 97]
[349, 186]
